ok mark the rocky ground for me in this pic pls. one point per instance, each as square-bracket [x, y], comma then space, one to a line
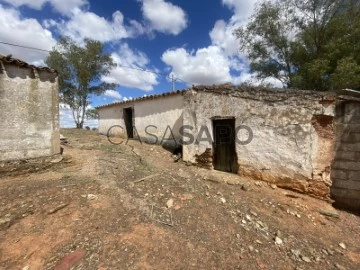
[130, 206]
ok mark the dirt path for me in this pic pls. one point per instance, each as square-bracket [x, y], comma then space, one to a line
[132, 207]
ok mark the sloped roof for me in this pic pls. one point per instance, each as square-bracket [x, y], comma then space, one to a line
[256, 93]
[166, 94]
[20, 63]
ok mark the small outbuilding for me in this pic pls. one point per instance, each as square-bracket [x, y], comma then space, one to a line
[147, 117]
[29, 111]
[308, 141]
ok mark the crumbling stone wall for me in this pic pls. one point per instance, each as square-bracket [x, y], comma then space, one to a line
[29, 113]
[293, 137]
[322, 154]
[345, 171]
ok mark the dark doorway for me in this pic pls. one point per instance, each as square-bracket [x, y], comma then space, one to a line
[224, 150]
[128, 119]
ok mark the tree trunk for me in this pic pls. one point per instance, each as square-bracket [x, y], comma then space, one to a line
[76, 118]
[83, 112]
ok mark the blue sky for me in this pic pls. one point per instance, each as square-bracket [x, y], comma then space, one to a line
[191, 40]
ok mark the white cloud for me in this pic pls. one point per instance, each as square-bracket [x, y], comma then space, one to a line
[127, 98]
[131, 77]
[81, 23]
[62, 6]
[249, 78]
[113, 94]
[35, 4]
[67, 6]
[85, 24]
[164, 17]
[18, 30]
[221, 61]
[242, 8]
[205, 66]
[211, 65]
[67, 120]
[222, 35]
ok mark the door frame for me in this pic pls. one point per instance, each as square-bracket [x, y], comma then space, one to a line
[129, 133]
[233, 166]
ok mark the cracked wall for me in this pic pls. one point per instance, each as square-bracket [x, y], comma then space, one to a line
[292, 143]
[322, 156]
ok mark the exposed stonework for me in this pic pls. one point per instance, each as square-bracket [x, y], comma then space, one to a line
[296, 134]
[323, 153]
[29, 111]
[345, 171]
[292, 133]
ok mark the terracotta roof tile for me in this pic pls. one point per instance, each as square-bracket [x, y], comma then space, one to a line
[20, 63]
[143, 98]
[249, 92]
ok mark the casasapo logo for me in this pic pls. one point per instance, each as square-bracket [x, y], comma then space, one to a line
[242, 135]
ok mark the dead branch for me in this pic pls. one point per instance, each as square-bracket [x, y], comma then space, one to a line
[61, 206]
[145, 178]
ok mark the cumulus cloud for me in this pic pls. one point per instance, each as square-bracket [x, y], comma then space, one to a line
[205, 66]
[211, 65]
[221, 61]
[164, 17]
[81, 23]
[113, 94]
[67, 6]
[128, 72]
[222, 35]
[62, 6]
[242, 8]
[85, 24]
[29, 32]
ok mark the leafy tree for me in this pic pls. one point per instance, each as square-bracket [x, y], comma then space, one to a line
[347, 74]
[308, 44]
[325, 41]
[266, 40]
[92, 114]
[80, 69]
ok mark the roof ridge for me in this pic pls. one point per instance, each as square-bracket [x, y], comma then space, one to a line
[155, 96]
[15, 61]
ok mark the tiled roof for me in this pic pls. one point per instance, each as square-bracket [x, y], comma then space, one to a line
[20, 63]
[144, 98]
[257, 93]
